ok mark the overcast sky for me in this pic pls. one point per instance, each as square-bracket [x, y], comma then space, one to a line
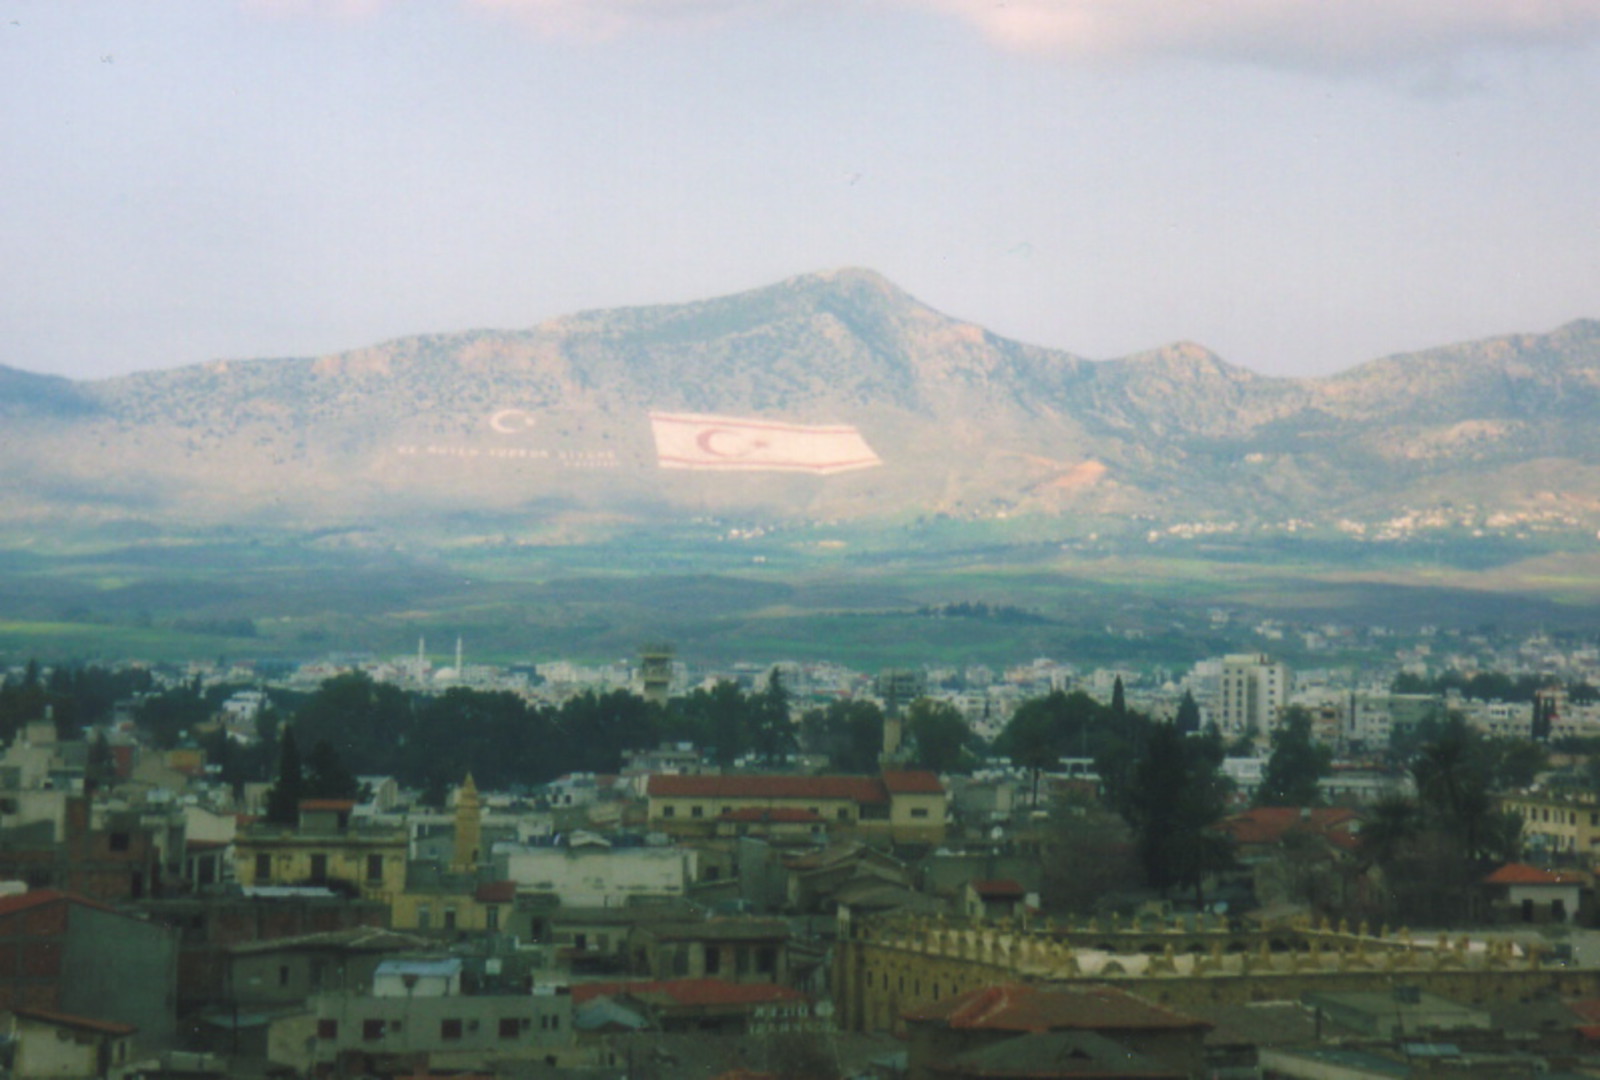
[1300, 185]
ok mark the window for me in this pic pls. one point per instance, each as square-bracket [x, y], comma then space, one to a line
[263, 868]
[449, 918]
[424, 917]
[713, 961]
[374, 867]
[766, 960]
[371, 1029]
[509, 1027]
[119, 841]
[919, 811]
[669, 811]
[697, 811]
[449, 1029]
[319, 867]
[491, 917]
[283, 974]
[844, 813]
[327, 1030]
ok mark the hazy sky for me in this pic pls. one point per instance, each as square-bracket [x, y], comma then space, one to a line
[1300, 185]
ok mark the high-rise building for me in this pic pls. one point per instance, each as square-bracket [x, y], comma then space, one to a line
[1251, 692]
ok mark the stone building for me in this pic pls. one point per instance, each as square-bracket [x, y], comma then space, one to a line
[887, 965]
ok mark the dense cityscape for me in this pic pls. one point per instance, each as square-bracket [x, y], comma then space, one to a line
[402, 866]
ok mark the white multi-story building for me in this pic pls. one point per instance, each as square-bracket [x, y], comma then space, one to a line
[1251, 691]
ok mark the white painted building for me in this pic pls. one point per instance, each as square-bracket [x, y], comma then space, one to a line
[1251, 690]
[589, 872]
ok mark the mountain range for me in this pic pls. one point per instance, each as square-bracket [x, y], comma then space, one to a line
[550, 428]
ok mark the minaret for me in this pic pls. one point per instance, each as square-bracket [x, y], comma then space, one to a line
[469, 827]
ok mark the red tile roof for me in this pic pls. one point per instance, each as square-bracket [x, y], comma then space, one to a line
[10, 905]
[912, 782]
[1265, 825]
[858, 789]
[1015, 1007]
[691, 992]
[82, 1023]
[1523, 874]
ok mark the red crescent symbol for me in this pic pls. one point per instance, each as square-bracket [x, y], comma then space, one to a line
[738, 444]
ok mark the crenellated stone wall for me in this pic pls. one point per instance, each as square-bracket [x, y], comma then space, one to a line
[891, 963]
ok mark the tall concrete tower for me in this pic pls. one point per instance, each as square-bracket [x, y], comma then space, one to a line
[655, 672]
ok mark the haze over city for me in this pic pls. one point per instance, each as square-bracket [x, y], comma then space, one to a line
[1299, 188]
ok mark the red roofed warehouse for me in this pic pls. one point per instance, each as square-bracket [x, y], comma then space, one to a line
[904, 807]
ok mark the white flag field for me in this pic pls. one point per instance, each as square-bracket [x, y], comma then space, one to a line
[732, 444]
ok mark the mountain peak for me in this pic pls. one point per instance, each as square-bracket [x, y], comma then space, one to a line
[1189, 360]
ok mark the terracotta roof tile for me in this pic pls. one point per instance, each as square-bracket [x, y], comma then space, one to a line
[1523, 874]
[1264, 825]
[912, 782]
[10, 905]
[1015, 1007]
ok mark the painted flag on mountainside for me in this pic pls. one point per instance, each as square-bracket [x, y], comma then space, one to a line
[697, 441]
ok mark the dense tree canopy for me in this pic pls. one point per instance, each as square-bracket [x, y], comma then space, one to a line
[939, 736]
[1296, 764]
[848, 733]
[1174, 795]
[1434, 849]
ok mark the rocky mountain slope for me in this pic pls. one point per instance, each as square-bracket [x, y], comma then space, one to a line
[553, 423]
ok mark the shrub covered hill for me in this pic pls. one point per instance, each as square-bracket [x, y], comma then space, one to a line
[553, 425]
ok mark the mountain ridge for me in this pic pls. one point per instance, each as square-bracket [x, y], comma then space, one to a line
[968, 424]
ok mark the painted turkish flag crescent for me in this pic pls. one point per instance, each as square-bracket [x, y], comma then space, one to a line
[733, 444]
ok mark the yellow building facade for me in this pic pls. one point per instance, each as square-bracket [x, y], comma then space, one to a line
[899, 807]
[326, 848]
[1557, 826]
